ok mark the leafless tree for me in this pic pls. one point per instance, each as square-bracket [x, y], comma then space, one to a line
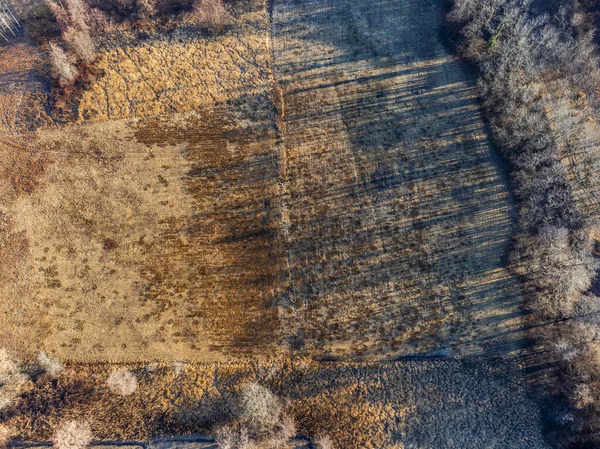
[81, 43]
[73, 435]
[9, 24]
[122, 382]
[64, 70]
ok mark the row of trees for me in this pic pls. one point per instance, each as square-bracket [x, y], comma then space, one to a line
[9, 24]
[539, 76]
[75, 49]
[252, 416]
[73, 18]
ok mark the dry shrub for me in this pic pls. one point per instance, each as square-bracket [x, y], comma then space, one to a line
[260, 410]
[211, 14]
[583, 396]
[81, 43]
[6, 434]
[230, 437]
[73, 435]
[122, 382]
[12, 380]
[178, 368]
[50, 365]
[323, 442]
[62, 68]
[286, 428]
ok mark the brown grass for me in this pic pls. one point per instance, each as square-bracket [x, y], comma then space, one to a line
[359, 406]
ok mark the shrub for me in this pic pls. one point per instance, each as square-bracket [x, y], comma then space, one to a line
[260, 409]
[50, 365]
[146, 8]
[323, 442]
[6, 434]
[286, 428]
[62, 68]
[122, 382]
[12, 380]
[178, 367]
[73, 435]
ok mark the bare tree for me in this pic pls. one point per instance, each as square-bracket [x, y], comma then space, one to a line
[81, 43]
[9, 24]
[73, 435]
[64, 70]
[122, 382]
[74, 19]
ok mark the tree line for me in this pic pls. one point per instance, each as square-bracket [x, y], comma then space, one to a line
[72, 29]
[539, 77]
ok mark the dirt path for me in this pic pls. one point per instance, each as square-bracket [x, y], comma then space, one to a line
[398, 217]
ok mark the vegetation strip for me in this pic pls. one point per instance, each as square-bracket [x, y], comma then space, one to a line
[539, 77]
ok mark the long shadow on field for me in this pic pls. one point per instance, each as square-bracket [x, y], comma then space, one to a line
[399, 216]
[220, 269]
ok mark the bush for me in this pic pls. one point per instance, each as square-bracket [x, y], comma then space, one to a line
[6, 434]
[50, 365]
[73, 435]
[62, 68]
[122, 382]
[260, 410]
[146, 8]
[12, 380]
[323, 442]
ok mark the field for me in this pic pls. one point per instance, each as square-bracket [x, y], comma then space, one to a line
[441, 403]
[316, 182]
[359, 213]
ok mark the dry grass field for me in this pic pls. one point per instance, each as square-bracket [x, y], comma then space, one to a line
[359, 213]
[410, 206]
[412, 404]
[318, 182]
[179, 71]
